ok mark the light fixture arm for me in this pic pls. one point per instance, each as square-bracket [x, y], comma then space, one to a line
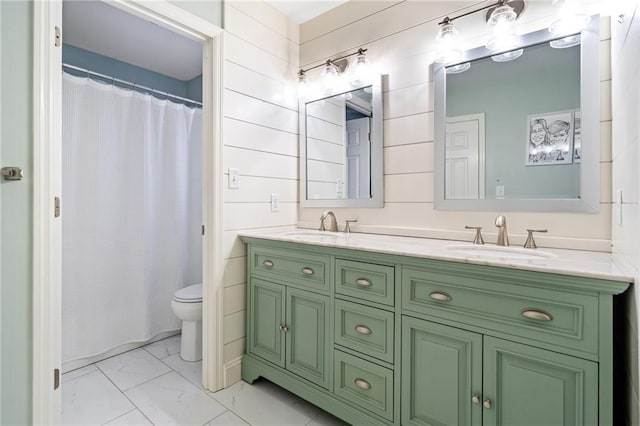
[518, 6]
[333, 61]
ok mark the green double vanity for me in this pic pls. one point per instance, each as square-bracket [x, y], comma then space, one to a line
[387, 330]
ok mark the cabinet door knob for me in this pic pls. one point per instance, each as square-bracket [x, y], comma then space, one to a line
[537, 314]
[284, 328]
[362, 384]
[487, 404]
[440, 295]
[268, 263]
[363, 282]
[363, 329]
[475, 399]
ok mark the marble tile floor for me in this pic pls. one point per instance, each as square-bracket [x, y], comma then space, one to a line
[152, 385]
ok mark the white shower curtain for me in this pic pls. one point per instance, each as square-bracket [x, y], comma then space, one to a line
[132, 214]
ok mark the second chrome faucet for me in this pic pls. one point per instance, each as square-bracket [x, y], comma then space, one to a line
[503, 237]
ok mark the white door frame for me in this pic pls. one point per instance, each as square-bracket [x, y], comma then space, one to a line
[47, 119]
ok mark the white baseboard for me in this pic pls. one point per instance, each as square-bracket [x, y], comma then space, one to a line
[232, 372]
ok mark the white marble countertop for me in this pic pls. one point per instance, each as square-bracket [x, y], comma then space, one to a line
[567, 262]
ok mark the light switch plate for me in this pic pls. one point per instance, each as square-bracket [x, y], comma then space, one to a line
[500, 191]
[275, 203]
[234, 178]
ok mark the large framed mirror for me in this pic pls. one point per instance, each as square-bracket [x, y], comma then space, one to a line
[520, 131]
[341, 148]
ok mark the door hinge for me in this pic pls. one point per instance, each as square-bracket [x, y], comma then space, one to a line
[56, 207]
[202, 229]
[56, 378]
[58, 37]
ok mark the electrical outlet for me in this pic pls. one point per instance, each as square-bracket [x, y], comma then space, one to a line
[275, 203]
[339, 186]
[500, 192]
[234, 178]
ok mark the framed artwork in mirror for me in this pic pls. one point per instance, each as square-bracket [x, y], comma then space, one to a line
[550, 138]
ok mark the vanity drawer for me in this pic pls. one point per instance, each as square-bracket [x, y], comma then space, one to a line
[368, 385]
[365, 281]
[306, 270]
[557, 317]
[364, 329]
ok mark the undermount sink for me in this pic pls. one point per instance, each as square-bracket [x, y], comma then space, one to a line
[499, 252]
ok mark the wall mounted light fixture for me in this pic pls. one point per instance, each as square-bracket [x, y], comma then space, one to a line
[338, 73]
[570, 17]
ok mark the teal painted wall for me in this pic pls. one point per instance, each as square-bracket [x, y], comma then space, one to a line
[194, 89]
[114, 68]
[16, 148]
[541, 80]
[122, 70]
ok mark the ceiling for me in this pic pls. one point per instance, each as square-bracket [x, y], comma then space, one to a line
[300, 11]
[108, 31]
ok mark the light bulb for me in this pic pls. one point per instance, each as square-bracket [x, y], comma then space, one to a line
[447, 47]
[303, 86]
[361, 73]
[504, 36]
[569, 17]
[329, 76]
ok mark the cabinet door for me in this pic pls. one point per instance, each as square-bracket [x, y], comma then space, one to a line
[265, 315]
[532, 386]
[441, 371]
[308, 338]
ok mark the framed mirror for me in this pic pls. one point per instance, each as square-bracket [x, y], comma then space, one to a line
[520, 130]
[341, 149]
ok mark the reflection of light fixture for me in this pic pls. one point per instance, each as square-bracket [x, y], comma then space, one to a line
[447, 48]
[504, 35]
[508, 56]
[334, 76]
[569, 17]
[458, 69]
[563, 43]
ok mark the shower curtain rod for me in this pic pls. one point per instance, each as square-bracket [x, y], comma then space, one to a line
[133, 85]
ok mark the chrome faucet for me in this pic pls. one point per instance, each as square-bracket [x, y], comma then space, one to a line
[333, 226]
[503, 237]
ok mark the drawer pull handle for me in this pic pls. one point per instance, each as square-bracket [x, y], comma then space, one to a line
[363, 329]
[363, 282]
[537, 314]
[308, 271]
[362, 384]
[268, 263]
[440, 295]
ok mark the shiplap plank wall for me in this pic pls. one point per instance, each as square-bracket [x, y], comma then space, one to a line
[625, 43]
[399, 36]
[261, 139]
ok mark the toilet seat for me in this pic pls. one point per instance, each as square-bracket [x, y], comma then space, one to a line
[189, 294]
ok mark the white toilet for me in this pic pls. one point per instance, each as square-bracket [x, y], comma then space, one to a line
[187, 306]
